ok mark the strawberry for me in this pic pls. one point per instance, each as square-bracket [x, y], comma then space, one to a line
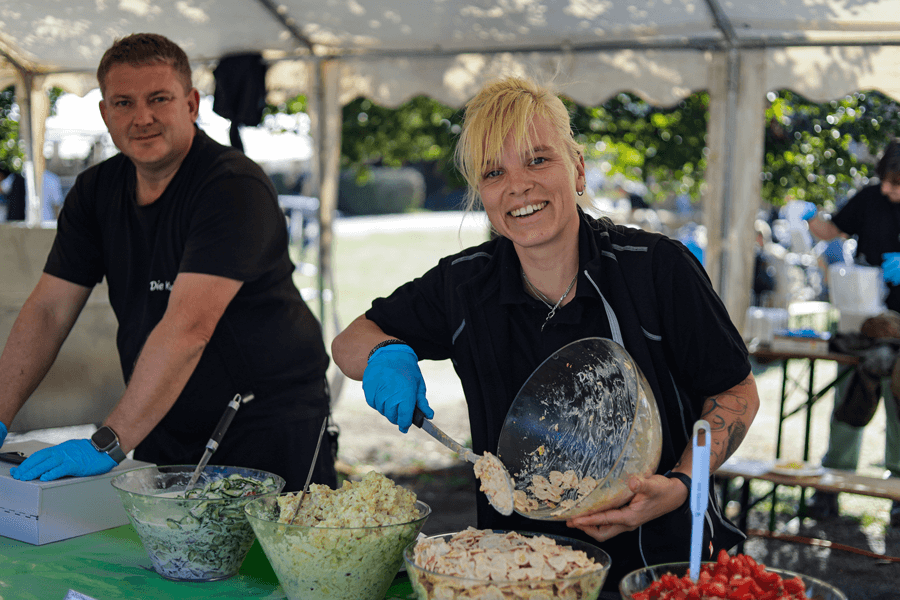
[714, 588]
[793, 586]
[723, 558]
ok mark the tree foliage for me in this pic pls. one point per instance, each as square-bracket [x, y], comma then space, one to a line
[820, 152]
[664, 147]
[419, 130]
[813, 151]
[11, 152]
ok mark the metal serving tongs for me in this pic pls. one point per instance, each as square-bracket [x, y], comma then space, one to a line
[309, 475]
[213, 443]
[503, 505]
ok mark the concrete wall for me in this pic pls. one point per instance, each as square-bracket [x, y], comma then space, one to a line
[85, 382]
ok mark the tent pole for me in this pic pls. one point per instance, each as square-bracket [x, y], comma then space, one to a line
[327, 133]
[25, 81]
[732, 76]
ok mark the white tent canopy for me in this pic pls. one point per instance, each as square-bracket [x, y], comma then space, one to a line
[391, 50]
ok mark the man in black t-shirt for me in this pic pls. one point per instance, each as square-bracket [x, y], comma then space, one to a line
[194, 248]
[873, 216]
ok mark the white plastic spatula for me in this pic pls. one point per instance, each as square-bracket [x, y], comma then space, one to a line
[699, 492]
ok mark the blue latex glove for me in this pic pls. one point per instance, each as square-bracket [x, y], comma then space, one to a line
[3, 432]
[891, 267]
[73, 457]
[394, 386]
[809, 211]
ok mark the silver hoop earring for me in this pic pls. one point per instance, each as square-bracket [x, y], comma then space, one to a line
[581, 193]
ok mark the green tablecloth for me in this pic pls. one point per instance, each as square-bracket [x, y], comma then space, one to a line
[112, 565]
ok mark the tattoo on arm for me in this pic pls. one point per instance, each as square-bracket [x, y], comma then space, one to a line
[718, 410]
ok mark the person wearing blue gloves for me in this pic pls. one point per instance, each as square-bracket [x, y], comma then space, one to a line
[553, 275]
[873, 216]
[193, 245]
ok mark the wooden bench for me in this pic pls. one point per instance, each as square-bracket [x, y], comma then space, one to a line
[829, 480]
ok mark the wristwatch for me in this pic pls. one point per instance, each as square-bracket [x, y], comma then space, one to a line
[105, 440]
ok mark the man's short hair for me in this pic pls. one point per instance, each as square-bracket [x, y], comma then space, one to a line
[143, 49]
[888, 167]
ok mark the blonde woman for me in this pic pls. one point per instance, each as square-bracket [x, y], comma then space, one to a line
[553, 275]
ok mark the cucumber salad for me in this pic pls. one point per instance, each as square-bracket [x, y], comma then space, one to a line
[201, 535]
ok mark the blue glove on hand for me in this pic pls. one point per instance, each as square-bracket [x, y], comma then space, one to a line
[74, 457]
[3, 432]
[891, 267]
[809, 211]
[394, 386]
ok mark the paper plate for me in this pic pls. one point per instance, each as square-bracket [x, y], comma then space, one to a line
[797, 468]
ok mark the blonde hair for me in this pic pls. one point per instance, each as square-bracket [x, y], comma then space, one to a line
[503, 106]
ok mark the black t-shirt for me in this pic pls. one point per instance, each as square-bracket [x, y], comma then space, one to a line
[875, 221]
[472, 309]
[218, 216]
[697, 332]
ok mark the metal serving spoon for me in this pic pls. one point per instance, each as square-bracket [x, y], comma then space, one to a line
[218, 432]
[502, 501]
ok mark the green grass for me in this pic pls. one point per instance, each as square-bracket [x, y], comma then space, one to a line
[373, 265]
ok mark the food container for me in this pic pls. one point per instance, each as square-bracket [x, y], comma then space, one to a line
[40, 512]
[637, 581]
[430, 585]
[332, 563]
[856, 288]
[192, 539]
[588, 411]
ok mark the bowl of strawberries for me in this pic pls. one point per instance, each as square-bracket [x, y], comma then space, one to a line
[737, 577]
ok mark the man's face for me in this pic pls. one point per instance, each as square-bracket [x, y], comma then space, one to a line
[529, 196]
[149, 115]
[890, 187]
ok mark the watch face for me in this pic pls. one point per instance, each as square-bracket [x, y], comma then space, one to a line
[103, 437]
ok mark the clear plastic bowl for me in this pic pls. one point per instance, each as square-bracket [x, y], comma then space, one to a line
[638, 581]
[332, 563]
[190, 539]
[429, 585]
[588, 408]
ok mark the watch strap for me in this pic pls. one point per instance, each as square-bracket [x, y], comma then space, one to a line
[382, 345]
[116, 454]
[685, 479]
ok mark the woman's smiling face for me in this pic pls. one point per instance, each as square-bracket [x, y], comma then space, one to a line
[529, 194]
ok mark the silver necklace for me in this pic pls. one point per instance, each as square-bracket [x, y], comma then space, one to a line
[545, 299]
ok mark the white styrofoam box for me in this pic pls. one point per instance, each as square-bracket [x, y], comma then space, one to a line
[761, 323]
[38, 512]
[856, 288]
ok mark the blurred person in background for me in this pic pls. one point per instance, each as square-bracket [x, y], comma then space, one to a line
[51, 190]
[764, 270]
[872, 215]
[12, 186]
[553, 275]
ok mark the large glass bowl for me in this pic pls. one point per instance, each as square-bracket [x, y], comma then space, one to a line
[190, 539]
[639, 580]
[429, 585]
[332, 563]
[589, 409]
